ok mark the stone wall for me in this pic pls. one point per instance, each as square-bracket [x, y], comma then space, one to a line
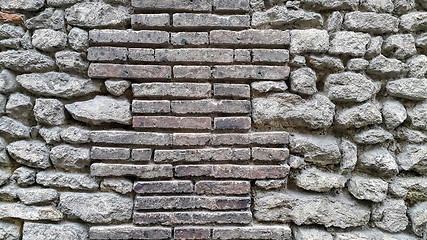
[213, 119]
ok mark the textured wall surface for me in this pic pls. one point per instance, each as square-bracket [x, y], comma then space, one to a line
[213, 119]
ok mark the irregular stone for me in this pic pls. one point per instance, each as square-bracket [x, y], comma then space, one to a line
[14, 128]
[349, 43]
[403, 6]
[418, 215]
[298, 61]
[400, 46]
[291, 110]
[360, 115]
[55, 84]
[31, 153]
[303, 80]
[51, 135]
[370, 22]
[310, 40]
[409, 188]
[3, 101]
[19, 106]
[66, 231]
[373, 189]
[48, 19]
[409, 88]
[26, 61]
[120, 185]
[374, 47]
[357, 64]
[8, 81]
[282, 16]
[311, 233]
[26, 40]
[25, 5]
[335, 20]
[394, 113]
[97, 14]
[101, 109]
[69, 158]
[315, 148]
[269, 86]
[414, 21]
[31, 213]
[271, 184]
[386, 67]
[417, 66]
[117, 88]
[326, 63]
[349, 87]
[75, 135]
[4, 175]
[410, 135]
[9, 231]
[60, 3]
[4, 158]
[11, 31]
[422, 41]
[24, 176]
[418, 115]
[11, 43]
[413, 157]
[349, 156]
[78, 39]
[377, 5]
[31, 196]
[373, 234]
[49, 111]
[49, 40]
[390, 215]
[315, 180]
[330, 4]
[87, 207]
[78, 181]
[70, 61]
[302, 208]
[373, 136]
[379, 162]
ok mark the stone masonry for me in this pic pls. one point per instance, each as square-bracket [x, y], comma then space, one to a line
[213, 119]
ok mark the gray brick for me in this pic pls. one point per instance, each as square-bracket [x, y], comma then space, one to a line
[250, 37]
[140, 171]
[190, 38]
[232, 90]
[150, 106]
[172, 122]
[192, 72]
[270, 154]
[107, 70]
[232, 123]
[109, 153]
[176, 5]
[202, 155]
[242, 55]
[175, 90]
[189, 218]
[163, 187]
[250, 72]
[270, 55]
[227, 5]
[129, 137]
[141, 54]
[129, 232]
[107, 54]
[191, 139]
[144, 21]
[191, 202]
[211, 106]
[198, 55]
[141, 154]
[198, 20]
[128, 37]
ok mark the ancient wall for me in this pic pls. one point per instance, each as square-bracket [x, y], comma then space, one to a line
[213, 119]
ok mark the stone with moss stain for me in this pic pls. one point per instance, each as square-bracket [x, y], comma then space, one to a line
[31, 153]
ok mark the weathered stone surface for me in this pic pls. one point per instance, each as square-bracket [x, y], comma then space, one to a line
[5, 174]
[4, 158]
[271, 184]
[373, 136]
[253, 232]
[418, 115]
[26, 61]
[19, 106]
[66, 231]
[30, 196]
[32, 213]
[26, 5]
[349, 43]
[331, 4]
[417, 66]
[70, 61]
[31, 153]
[283, 16]
[9, 231]
[11, 31]
[386, 67]
[24, 176]
[96, 14]
[400, 46]
[373, 189]
[410, 135]
[349, 156]
[49, 111]
[316, 148]
[69, 158]
[291, 110]
[379, 161]
[101, 109]
[413, 188]
[78, 181]
[117, 88]
[418, 215]
[75, 135]
[55, 84]
[357, 64]
[335, 21]
[394, 113]
[360, 115]
[371, 22]
[303, 80]
[87, 207]
[48, 19]
[325, 62]
[374, 47]
[309, 209]
[403, 6]
[349, 87]
[311, 233]
[414, 21]
[49, 40]
[378, 6]
[371, 234]
[78, 39]
[3, 101]
[319, 181]
[413, 157]
[310, 40]
[120, 185]
[269, 86]
[7, 81]
[14, 128]
[390, 215]
[409, 88]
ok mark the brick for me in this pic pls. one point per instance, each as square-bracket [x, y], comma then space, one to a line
[141, 154]
[270, 154]
[223, 187]
[186, 233]
[192, 72]
[109, 153]
[231, 139]
[232, 123]
[190, 139]
[250, 72]
[151, 106]
[140, 171]
[197, 218]
[144, 21]
[242, 55]
[265, 138]
[171, 122]
[202, 155]
[270, 55]
[129, 137]
[232, 171]
[175, 90]
[232, 90]
[191, 202]
[107, 54]
[206, 20]
[129, 232]
[235, 5]
[107, 70]
[211, 106]
[176, 5]
[128, 37]
[190, 38]
[250, 37]
[141, 54]
[154, 187]
[282, 232]
[196, 55]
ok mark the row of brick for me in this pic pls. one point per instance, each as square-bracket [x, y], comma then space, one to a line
[188, 139]
[194, 123]
[188, 55]
[282, 232]
[190, 155]
[167, 171]
[249, 38]
[231, 72]
[218, 203]
[192, 5]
